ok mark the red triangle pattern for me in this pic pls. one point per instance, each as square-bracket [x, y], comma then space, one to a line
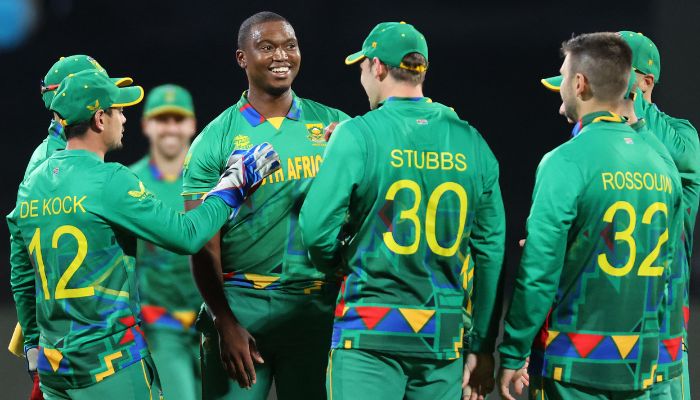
[686, 316]
[372, 315]
[672, 346]
[128, 337]
[128, 321]
[341, 304]
[152, 313]
[585, 343]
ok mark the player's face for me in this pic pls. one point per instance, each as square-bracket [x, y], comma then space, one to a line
[271, 57]
[369, 83]
[568, 91]
[113, 128]
[169, 134]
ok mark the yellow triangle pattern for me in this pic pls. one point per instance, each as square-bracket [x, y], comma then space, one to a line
[345, 310]
[551, 335]
[416, 318]
[261, 281]
[625, 344]
[54, 356]
[186, 318]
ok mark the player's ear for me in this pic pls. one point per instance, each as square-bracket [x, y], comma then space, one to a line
[581, 85]
[240, 59]
[97, 122]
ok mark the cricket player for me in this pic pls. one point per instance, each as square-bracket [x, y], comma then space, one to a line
[595, 265]
[272, 311]
[55, 141]
[169, 299]
[77, 216]
[407, 206]
[680, 138]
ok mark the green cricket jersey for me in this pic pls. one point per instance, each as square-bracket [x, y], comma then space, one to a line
[681, 140]
[169, 297]
[55, 141]
[599, 251]
[408, 202]
[262, 247]
[76, 216]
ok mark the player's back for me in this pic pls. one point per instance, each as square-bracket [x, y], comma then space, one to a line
[425, 174]
[606, 312]
[86, 298]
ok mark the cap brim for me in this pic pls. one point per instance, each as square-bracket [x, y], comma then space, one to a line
[553, 83]
[353, 58]
[122, 82]
[129, 96]
[168, 109]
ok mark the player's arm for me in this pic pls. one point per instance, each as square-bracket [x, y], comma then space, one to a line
[678, 135]
[23, 284]
[326, 205]
[554, 207]
[487, 243]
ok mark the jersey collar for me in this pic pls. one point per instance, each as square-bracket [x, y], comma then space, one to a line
[595, 117]
[158, 175]
[56, 130]
[253, 116]
[399, 100]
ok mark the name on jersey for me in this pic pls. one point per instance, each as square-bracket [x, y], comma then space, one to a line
[628, 180]
[443, 160]
[51, 206]
[300, 167]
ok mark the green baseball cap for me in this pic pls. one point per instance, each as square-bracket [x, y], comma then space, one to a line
[81, 95]
[168, 99]
[71, 65]
[390, 42]
[552, 83]
[645, 54]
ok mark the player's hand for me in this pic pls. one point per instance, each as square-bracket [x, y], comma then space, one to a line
[238, 351]
[478, 379]
[521, 242]
[328, 131]
[245, 170]
[519, 378]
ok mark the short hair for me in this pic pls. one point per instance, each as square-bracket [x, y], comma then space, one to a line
[256, 19]
[79, 129]
[604, 58]
[414, 73]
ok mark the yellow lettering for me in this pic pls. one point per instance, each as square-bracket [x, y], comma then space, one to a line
[628, 181]
[307, 166]
[432, 160]
[461, 161]
[55, 205]
[648, 185]
[279, 176]
[78, 203]
[33, 207]
[396, 155]
[638, 181]
[422, 159]
[319, 160]
[445, 160]
[658, 180]
[297, 166]
[408, 153]
[607, 179]
[291, 174]
[619, 180]
[23, 209]
[45, 210]
[66, 210]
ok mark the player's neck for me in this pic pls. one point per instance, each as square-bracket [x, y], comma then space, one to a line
[270, 105]
[169, 166]
[392, 88]
[87, 142]
[592, 106]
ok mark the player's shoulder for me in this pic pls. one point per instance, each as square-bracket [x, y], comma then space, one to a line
[314, 110]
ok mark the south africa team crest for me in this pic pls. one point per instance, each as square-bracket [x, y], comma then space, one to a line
[242, 142]
[316, 134]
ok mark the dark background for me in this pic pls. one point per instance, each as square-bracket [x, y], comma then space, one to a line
[486, 60]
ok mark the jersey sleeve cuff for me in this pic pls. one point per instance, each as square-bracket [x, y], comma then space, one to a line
[193, 195]
[509, 362]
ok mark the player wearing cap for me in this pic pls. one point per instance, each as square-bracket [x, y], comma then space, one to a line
[681, 140]
[592, 276]
[77, 216]
[423, 241]
[267, 300]
[22, 344]
[169, 299]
